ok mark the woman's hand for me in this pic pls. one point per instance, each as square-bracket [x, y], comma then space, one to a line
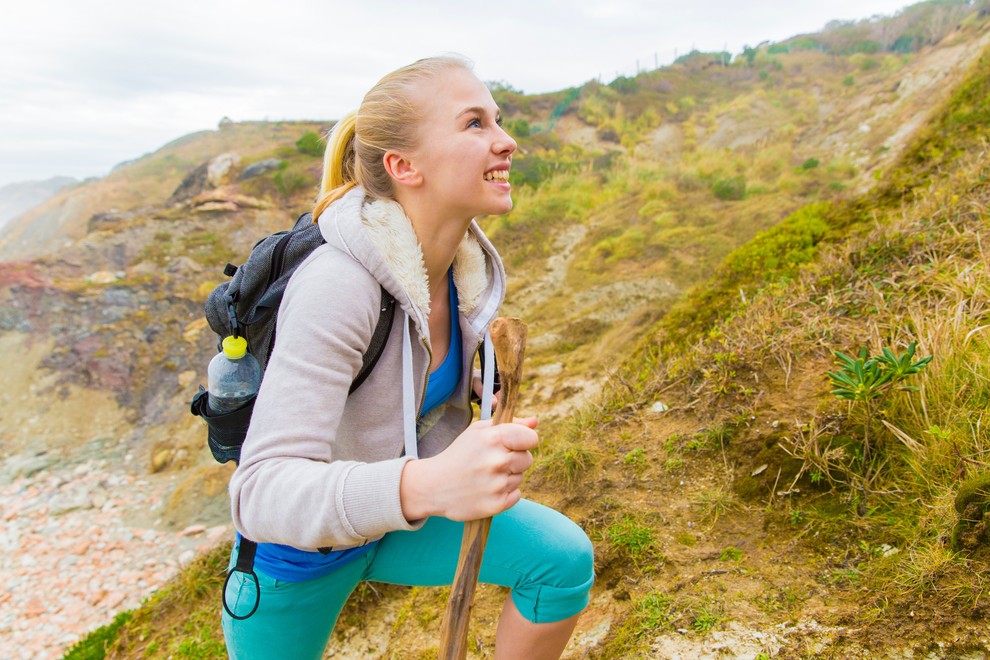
[478, 387]
[477, 476]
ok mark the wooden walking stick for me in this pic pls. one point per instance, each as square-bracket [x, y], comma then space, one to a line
[509, 341]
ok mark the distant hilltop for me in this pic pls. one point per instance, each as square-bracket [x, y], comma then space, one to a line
[16, 198]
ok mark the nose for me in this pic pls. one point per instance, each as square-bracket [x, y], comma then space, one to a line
[503, 144]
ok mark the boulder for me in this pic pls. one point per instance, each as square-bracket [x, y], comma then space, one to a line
[219, 167]
[259, 168]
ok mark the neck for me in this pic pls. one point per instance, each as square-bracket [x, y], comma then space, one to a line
[439, 239]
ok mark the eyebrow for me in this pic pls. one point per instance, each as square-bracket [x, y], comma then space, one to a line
[479, 110]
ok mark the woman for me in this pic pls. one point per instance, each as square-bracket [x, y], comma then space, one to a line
[385, 488]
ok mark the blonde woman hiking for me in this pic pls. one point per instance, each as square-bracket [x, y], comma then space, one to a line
[338, 488]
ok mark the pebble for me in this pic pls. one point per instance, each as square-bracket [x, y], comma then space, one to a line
[69, 564]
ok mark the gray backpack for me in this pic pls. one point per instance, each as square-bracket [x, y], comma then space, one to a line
[247, 306]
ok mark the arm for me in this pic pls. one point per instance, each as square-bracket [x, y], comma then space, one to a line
[291, 486]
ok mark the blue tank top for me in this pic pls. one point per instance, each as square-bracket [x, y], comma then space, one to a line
[284, 562]
[444, 380]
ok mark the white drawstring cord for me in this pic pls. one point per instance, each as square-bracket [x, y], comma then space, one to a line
[488, 378]
[408, 392]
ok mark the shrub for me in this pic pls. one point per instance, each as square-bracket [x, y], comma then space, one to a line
[517, 128]
[287, 182]
[311, 144]
[730, 188]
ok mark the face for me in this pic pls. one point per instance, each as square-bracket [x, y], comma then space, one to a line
[462, 153]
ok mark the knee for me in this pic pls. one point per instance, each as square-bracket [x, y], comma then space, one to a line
[561, 586]
[569, 557]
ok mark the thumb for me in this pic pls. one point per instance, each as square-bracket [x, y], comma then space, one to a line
[517, 437]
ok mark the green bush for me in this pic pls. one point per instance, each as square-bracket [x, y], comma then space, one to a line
[311, 144]
[287, 182]
[517, 128]
[730, 188]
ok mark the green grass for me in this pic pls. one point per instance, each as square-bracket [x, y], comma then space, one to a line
[631, 537]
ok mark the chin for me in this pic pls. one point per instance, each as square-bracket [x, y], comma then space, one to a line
[502, 208]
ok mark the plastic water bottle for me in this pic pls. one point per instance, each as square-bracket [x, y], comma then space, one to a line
[233, 376]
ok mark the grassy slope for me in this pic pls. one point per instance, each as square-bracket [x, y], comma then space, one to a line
[720, 367]
[744, 357]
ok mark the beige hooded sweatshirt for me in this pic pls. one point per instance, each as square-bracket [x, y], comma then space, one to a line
[320, 468]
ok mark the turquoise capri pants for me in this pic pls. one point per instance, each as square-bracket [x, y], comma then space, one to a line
[539, 553]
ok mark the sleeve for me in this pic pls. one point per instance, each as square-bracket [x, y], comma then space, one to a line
[288, 488]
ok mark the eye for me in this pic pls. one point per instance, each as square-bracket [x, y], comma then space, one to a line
[498, 120]
[474, 123]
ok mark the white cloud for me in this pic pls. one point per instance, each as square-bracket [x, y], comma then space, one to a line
[87, 84]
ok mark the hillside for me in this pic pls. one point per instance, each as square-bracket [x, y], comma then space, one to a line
[702, 236]
[16, 198]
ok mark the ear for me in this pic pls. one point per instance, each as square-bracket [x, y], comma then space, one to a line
[401, 169]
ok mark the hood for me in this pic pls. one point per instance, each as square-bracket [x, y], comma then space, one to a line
[378, 234]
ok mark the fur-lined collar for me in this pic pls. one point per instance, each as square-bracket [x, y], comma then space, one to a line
[391, 232]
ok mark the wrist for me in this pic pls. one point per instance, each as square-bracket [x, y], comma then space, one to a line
[415, 495]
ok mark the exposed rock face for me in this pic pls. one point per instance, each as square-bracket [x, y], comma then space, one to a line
[259, 168]
[210, 175]
[218, 169]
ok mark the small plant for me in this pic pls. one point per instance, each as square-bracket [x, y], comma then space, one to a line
[713, 503]
[631, 537]
[635, 458]
[707, 618]
[797, 517]
[654, 611]
[566, 462]
[731, 554]
[866, 382]
[843, 576]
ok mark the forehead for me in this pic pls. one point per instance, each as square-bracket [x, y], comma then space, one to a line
[450, 92]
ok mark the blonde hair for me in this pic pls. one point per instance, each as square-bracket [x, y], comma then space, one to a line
[387, 119]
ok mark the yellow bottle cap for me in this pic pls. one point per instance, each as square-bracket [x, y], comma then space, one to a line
[234, 347]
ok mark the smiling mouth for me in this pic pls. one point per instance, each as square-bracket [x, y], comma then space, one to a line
[497, 175]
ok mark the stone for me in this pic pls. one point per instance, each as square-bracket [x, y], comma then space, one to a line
[259, 168]
[160, 460]
[102, 277]
[219, 167]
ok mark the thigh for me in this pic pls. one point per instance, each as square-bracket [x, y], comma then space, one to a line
[293, 620]
[534, 550]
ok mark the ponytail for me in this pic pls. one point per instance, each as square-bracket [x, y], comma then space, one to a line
[338, 164]
[389, 118]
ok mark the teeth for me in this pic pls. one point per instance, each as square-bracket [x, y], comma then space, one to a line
[497, 175]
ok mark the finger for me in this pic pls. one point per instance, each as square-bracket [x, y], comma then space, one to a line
[511, 499]
[517, 437]
[531, 422]
[513, 482]
[519, 462]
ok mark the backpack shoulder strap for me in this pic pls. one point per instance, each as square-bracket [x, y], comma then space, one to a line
[378, 339]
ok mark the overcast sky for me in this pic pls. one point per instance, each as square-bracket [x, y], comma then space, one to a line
[86, 84]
